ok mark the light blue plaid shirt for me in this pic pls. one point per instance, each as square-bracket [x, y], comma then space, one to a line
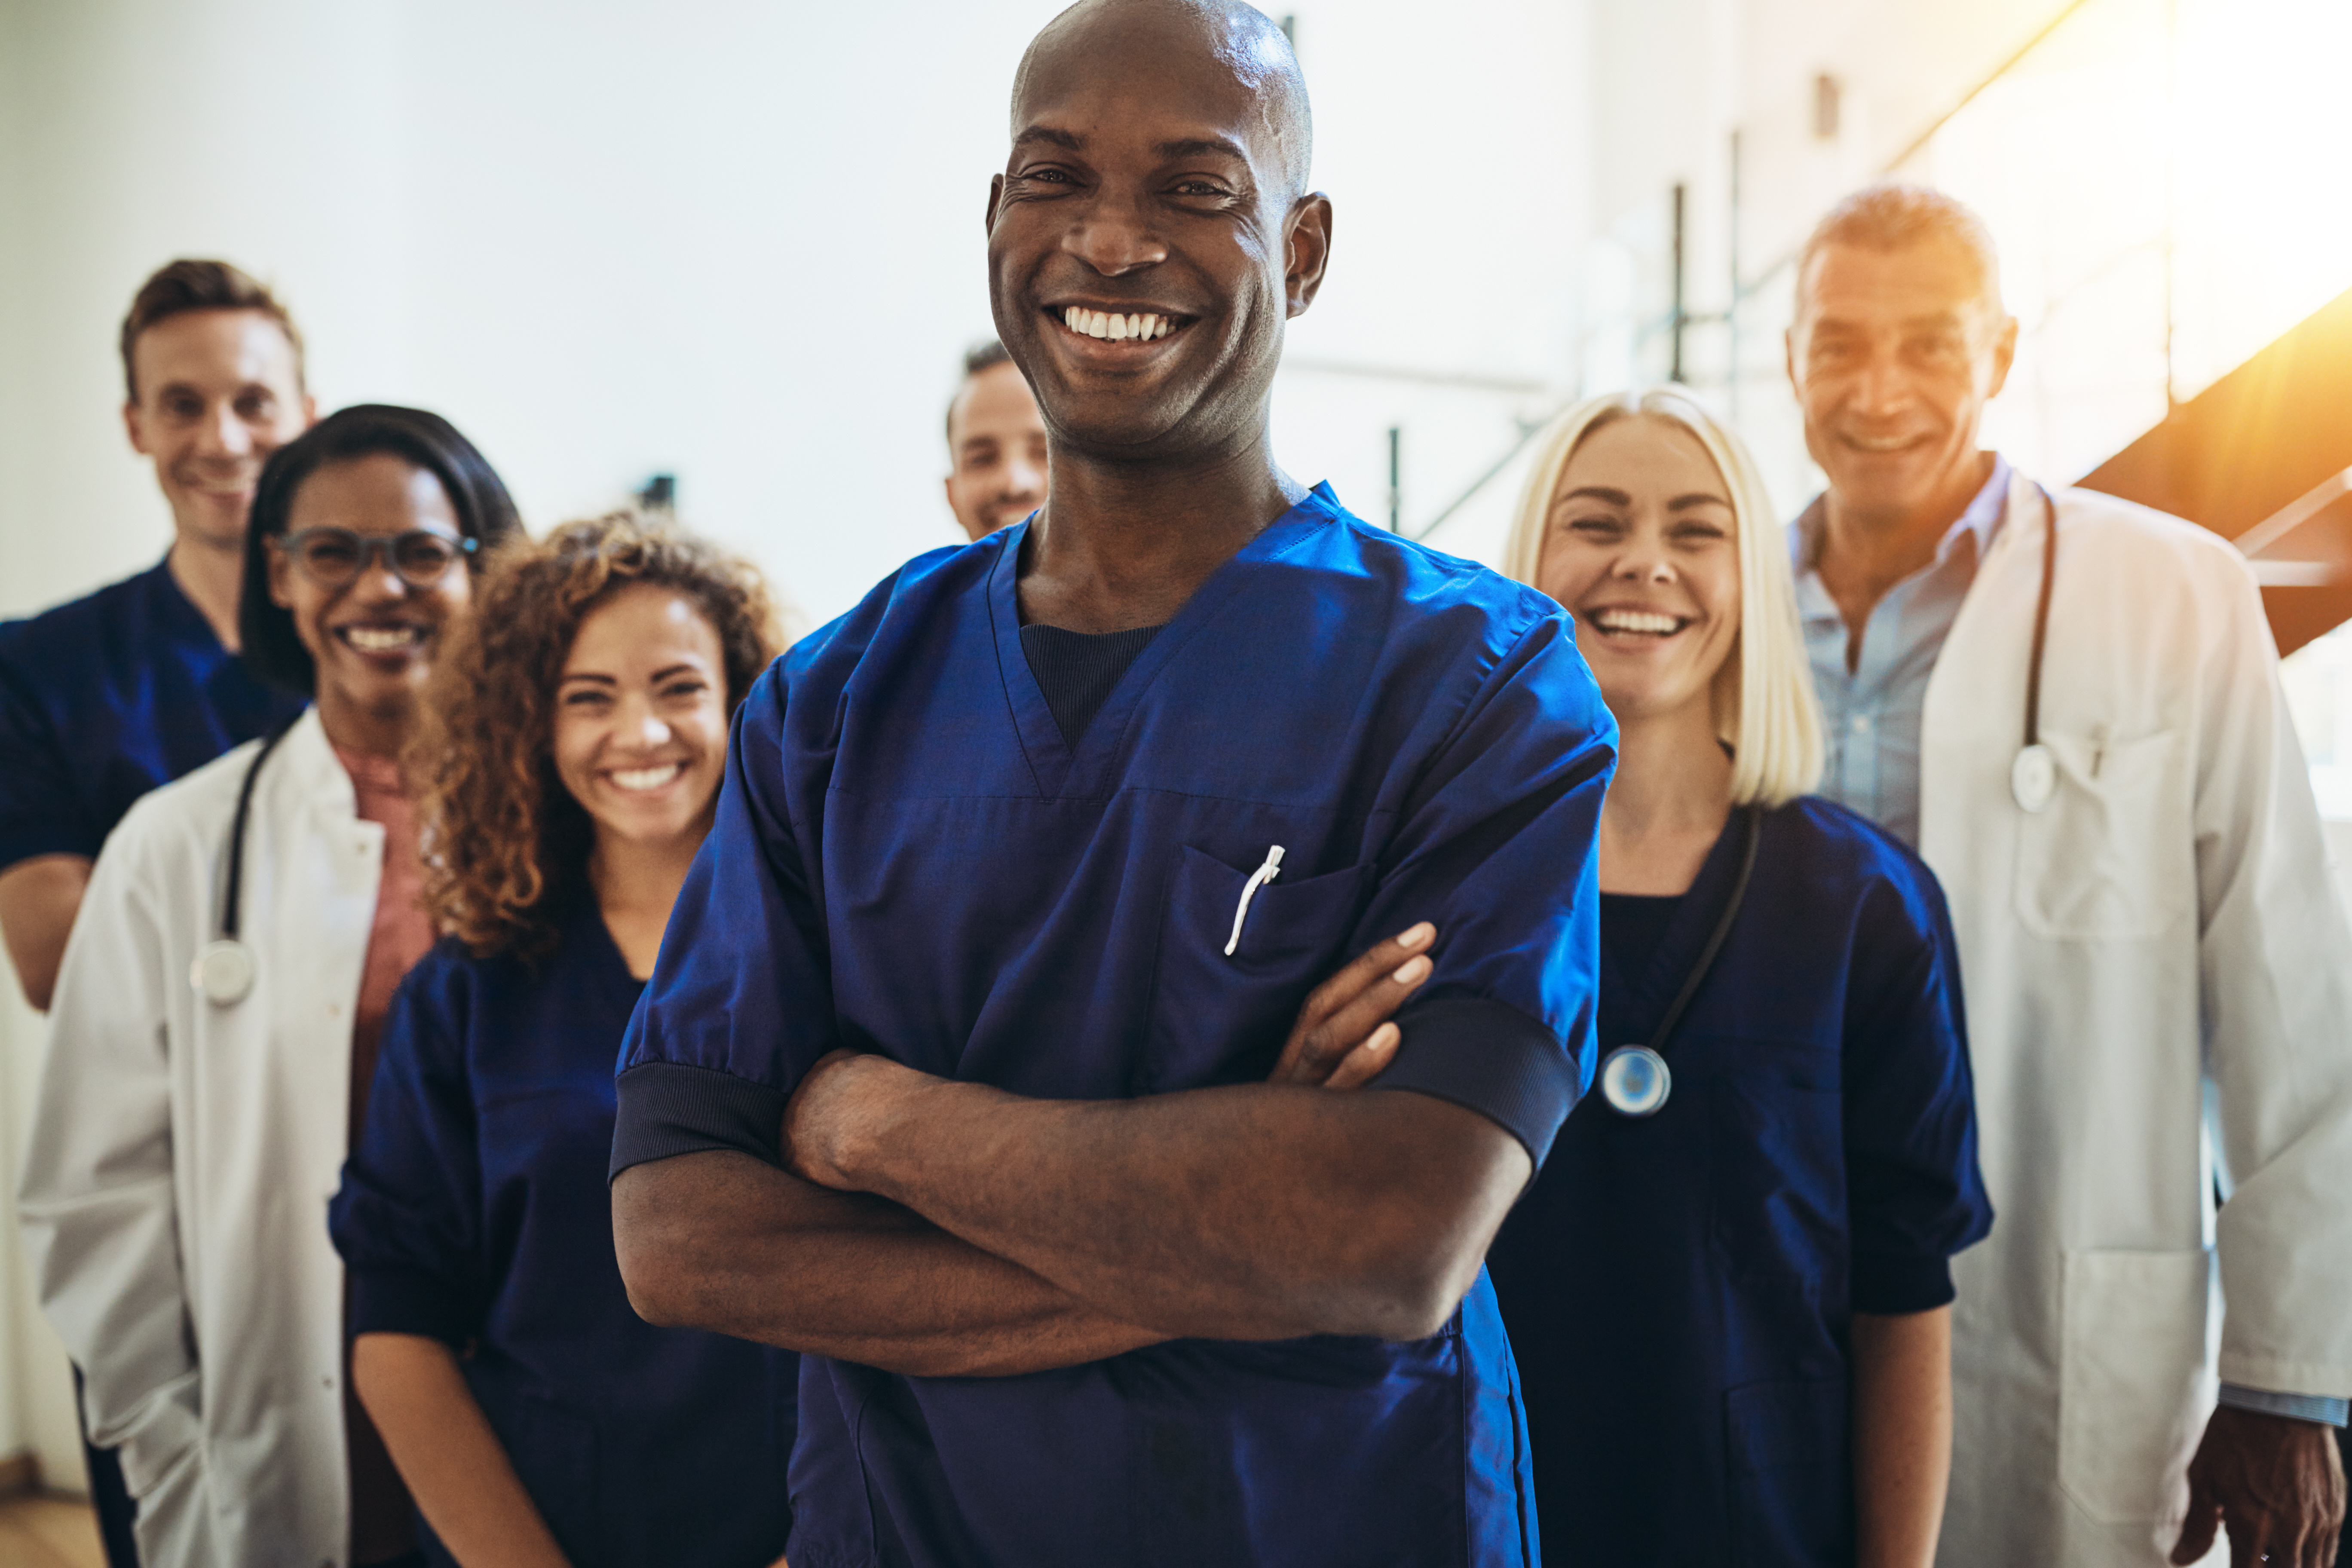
[1872, 714]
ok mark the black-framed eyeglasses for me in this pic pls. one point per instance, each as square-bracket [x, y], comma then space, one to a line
[333, 557]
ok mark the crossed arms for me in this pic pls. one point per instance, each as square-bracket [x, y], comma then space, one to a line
[939, 1228]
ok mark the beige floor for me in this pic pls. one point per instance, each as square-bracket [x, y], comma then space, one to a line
[49, 1532]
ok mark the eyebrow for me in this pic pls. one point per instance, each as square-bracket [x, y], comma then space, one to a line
[1195, 146]
[1067, 140]
[1619, 498]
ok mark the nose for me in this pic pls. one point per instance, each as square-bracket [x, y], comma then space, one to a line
[1882, 388]
[221, 433]
[1111, 236]
[1643, 562]
[1023, 480]
[641, 725]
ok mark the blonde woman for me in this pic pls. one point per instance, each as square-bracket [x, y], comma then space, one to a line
[1728, 1290]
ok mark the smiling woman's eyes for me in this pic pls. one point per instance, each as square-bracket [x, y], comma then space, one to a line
[1697, 532]
[692, 686]
[1594, 527]
[586, 697]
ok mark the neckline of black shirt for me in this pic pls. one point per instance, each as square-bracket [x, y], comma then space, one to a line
[1077, 670]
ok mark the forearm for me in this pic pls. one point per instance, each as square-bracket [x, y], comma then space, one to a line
[725, 1242]
[459, 1473]
[1252, 1212]
[38, 900]
[1902, 1434]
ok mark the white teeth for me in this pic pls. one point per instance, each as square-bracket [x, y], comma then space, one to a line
[1118, 332]
[1636, 621]
[646, 778]
[380, 639]
[1070, 318]
[1111, 328]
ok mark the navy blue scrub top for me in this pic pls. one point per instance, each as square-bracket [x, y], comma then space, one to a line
[474, 1210]
[1679, 1288]
[910, 859]
[102, 699]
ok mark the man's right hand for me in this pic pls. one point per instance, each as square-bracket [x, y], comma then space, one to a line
[1345, 1037]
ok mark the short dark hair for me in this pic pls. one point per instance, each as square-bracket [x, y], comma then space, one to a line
[485, 511]
[981, 356]
[188, 285]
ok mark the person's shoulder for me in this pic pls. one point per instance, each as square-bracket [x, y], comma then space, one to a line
[2141, 537]
[1837, 846]
[74, 628]
[169, 832]
[826, 655]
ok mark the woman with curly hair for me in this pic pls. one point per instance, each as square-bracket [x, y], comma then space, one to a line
[570, 767]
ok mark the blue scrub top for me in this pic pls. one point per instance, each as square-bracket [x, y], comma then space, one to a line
[474, 1211]
[1679, 1288]
[910, 859]
[105, 697]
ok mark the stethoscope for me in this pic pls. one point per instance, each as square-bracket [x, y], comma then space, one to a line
[1634, 1080]
[2033, 777]
[224, 968]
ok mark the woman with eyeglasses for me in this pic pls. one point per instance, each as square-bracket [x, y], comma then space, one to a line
[218, 1017]
[570, 765]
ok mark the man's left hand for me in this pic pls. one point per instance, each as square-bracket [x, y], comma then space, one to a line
[836, 1104]
[2275, 1483]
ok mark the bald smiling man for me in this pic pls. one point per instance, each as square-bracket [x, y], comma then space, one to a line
[986, 1062]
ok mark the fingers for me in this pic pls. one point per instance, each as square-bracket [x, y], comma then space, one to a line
[1344, 1010]
[1367, 1061]
[2197, 1529]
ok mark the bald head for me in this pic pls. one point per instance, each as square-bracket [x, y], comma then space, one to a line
[1240, 40]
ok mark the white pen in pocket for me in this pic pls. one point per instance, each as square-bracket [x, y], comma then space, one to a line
[1258, 878]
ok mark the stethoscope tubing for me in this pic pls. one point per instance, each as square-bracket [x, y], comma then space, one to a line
[223, 970]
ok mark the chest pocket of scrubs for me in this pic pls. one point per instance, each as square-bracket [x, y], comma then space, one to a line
[1780, 1159]
[1220, 1019]
[2111, 856]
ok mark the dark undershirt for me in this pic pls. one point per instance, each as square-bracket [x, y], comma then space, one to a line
[1076, 670]
[1631, 926]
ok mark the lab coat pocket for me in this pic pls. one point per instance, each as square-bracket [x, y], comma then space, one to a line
[2131, 1394]
[1791, 1482]
[1219, 1018]
[164, 1469]
[2110, 856]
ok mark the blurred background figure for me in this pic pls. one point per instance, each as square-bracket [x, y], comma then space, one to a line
[218, 1015]
[103, 699]
[1729, 1290]
[2071, 705]
[569, 759]
[996, 444]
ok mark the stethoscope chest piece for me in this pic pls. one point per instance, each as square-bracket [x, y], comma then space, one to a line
[223, 972]
[1635, 1081]
[2033, 777]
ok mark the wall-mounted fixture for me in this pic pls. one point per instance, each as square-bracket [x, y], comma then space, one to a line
[659, 493]
[1827, 97]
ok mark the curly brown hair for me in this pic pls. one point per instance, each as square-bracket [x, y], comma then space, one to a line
[501, 833]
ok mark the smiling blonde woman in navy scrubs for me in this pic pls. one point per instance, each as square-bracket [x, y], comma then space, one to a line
[1728, 1289]
[569, 768]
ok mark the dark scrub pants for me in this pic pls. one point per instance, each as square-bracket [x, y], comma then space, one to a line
[102, 699]
[920, 850]
[1680, 1289]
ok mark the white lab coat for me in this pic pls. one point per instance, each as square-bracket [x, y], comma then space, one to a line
[174, 1197]
[2157, 971]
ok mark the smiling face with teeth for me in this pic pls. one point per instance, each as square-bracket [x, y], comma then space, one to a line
[1641, 548]
[641, 720]
[371, 641]
[1150, 235]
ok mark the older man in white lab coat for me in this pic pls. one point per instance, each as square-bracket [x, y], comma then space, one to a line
[2157, 966]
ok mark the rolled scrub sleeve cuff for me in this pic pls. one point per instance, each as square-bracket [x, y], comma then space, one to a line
[2315, 1408]
[1490, 1058]
[394, 1301]
[1892, 1285]
[670, 1108]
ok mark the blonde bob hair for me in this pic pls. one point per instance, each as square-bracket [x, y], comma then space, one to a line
[1765, 709]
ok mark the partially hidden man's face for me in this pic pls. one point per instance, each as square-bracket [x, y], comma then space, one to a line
[997, 439]
[1144, 249]
[218, 392]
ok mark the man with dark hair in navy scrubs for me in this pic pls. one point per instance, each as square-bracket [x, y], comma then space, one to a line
[103, 699]
[953, 1073]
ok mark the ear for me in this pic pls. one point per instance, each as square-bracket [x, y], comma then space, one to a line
[2004, 355]
[1789, 358]
[310, 411]
[995, 196]
[135, 428]
[1305, 250]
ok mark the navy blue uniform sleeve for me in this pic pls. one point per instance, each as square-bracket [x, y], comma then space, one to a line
[740, 1004]
[408, 1218]
[1498, 848]
[1914, 1194]
[41, 813]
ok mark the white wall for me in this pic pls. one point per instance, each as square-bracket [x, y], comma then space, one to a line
[731, 239]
